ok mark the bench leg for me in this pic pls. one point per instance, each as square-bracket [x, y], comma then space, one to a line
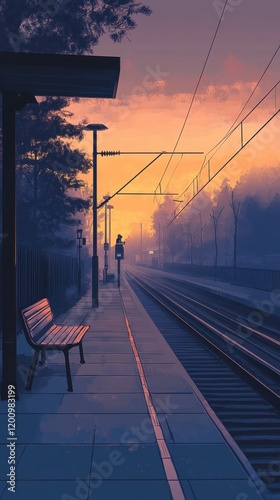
[82, 359]
[43, 357]
[32, 370]
[68, 372]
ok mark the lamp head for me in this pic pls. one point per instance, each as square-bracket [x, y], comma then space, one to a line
[96, 126]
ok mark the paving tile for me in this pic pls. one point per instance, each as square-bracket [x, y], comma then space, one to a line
[107, 335]
[128, 462]
[131, 490]
[189, 493]
[168, 383]
[129, 429]
[177, 403]
[3, 485]
[100, 358]
[84, 384]
[225, 490]
[103, 403]
[5, 455]
[46, 385]
[161, 369]
[50, 462]
[162, 357]
[95, 346]
[107, 384]
[191, 428]
[36, 403]
[34, 490]
[54, 428]
[54, 369]
[102, 369]
[206, 461]
[84, 429]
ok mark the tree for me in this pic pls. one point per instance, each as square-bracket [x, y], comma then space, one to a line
[172, 241]
[65, 26]
[235, 206]
[215, 216]
[47, 169]
[47, 172]
[191, 234]
[201, 229]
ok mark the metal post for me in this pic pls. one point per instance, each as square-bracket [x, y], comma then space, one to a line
[105, 251]
[162, 248]
[119, 273]
[159, 249]
[95, 269]
[141, 235]
[110, 236]
[79, 267]
[9, 306]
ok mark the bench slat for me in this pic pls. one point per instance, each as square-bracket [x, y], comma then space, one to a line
[62, 334]
[65, 335]
[38, 318]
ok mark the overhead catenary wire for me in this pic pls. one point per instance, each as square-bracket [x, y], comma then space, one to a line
[194, 94]
[223, 166]
[232, 131]
[225, 137]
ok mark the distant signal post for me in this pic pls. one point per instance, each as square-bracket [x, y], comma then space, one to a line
[119, 255]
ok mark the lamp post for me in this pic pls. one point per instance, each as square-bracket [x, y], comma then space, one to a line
[110, 208]
[80, 243]
[141, 242]
[95, 127]
[105, 270]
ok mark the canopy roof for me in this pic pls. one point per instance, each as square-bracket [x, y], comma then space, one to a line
[59, 75]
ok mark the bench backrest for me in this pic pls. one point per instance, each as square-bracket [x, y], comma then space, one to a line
[36, 320]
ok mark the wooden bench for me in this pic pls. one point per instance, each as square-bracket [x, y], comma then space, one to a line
[43, 334]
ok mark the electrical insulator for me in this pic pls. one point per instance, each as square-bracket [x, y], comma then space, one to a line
[110, 153]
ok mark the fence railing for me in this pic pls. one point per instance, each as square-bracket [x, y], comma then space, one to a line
[266, 279]
[45, 274]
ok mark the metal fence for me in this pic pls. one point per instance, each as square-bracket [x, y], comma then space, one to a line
[45, 274]
[265, 279]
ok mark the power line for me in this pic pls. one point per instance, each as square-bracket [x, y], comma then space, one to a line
[229, 134]
[128, 182]
[221, 168]
[222, 141]
[177, 165]
[194, 94]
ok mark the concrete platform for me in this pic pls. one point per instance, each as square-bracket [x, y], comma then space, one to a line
[135, 427]
[265, 303]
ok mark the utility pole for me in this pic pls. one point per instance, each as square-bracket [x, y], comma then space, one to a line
[159, 247]
[110, 208]
[141, 242]
[95, 127]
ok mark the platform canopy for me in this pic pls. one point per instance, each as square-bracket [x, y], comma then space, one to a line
[59, 75]
[22, 77]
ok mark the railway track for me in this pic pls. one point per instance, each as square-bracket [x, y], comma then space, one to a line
[238, 375]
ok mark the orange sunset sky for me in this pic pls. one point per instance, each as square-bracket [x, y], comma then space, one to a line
[160, 67]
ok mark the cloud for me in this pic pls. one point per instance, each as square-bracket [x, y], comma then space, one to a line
[234, 67]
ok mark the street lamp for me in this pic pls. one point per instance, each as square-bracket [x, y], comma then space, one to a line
[79, 245]
[106, 245]
[95, 127]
